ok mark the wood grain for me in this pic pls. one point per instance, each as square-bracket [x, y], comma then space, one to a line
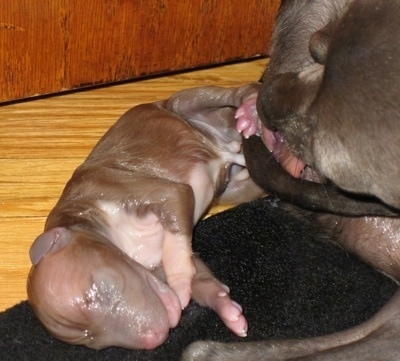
[43, 141]
[50, 46]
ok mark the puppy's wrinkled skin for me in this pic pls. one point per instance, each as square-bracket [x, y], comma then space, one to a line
[114, 266]
[330, 113]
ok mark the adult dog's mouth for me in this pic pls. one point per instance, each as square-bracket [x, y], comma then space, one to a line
[279, 172]
[276, 144]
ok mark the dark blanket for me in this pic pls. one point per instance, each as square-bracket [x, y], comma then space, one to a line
[289, 279]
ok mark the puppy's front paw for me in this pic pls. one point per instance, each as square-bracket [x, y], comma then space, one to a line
[209, 292]
[230, 313]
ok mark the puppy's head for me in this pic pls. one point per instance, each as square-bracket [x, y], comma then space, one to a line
[87, 292]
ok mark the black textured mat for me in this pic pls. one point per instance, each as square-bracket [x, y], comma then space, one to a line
[289, 283]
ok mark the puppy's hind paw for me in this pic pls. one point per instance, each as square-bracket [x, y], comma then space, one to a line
[247, 118]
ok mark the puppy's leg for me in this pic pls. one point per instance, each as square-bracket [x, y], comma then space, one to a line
[173, 205]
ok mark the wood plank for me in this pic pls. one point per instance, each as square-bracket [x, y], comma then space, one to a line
[17, 234]
[51, 46]
[43, 141]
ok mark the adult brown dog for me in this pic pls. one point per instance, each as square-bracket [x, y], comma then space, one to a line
[330, 113]
[114, 265]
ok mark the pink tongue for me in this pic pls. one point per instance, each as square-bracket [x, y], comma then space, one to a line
[275, 143]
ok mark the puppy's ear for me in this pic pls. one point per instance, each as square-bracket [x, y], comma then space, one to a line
[50, 241]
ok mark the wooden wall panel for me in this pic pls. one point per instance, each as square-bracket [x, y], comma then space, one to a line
[53, 45]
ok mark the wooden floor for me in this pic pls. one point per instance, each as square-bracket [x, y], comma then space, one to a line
[43, 141]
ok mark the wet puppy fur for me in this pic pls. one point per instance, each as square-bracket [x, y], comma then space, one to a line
[114, 265]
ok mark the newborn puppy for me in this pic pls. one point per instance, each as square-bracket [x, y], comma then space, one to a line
[114, 266]
[330, 116]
